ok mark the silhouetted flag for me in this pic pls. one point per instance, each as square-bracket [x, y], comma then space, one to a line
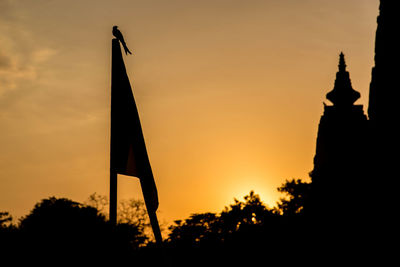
[128, 149]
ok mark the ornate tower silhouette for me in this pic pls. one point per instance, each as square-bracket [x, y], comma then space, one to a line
[340, 149]
[355, 175]
[384, 112]
[383, 109]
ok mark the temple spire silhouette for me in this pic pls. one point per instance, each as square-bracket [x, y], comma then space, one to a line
[343, 94]
[340, 149]
[354, 179]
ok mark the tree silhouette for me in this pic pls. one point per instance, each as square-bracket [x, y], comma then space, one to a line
[61, 228]
[199, 229]
[244, 232]
[297, 197]
[238, 219]
[130, 212]
[99, 202]
[5, 220]
[8, 234]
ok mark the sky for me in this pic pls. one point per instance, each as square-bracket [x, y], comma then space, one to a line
[229, 92]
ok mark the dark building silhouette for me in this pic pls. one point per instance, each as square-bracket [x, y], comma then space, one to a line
[355, 173]
[340, 150]
[383, 107]
[384, 114]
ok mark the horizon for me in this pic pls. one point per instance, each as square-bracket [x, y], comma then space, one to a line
[229, 96]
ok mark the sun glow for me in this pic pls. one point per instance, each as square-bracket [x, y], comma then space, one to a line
[259, 184]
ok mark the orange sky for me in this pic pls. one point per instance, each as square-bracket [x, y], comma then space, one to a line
[229, 92]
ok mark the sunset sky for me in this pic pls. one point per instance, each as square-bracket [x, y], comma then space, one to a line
[230, 93]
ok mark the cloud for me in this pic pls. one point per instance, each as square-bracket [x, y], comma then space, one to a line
[5, 61]
[5, 9]
[42, 55]
[22, 56]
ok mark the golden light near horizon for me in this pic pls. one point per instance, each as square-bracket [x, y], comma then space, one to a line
[238, 190]
[229, 94]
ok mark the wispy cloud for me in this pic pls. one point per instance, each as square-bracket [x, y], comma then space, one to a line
[5, 61]
[21, 58]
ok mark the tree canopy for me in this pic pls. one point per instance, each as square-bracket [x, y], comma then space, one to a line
[62, 228]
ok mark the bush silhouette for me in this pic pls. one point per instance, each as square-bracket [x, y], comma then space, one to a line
[63, 229]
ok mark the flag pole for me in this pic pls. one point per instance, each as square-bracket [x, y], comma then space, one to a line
[128, 153]
[113, 171]
[113, 197]
[157, 234]
[156, 227]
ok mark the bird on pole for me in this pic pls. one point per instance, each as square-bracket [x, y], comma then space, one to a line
[117, 33]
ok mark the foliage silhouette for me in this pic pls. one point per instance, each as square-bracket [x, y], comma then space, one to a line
[245, 231]
[130, 211]
[198, 229]
[8, 234]
[64, 229]
[297, 197]
[211, 228]
[99, 202]
[5, 220]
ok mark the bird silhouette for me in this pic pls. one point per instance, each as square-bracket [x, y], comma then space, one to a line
[117, 33]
